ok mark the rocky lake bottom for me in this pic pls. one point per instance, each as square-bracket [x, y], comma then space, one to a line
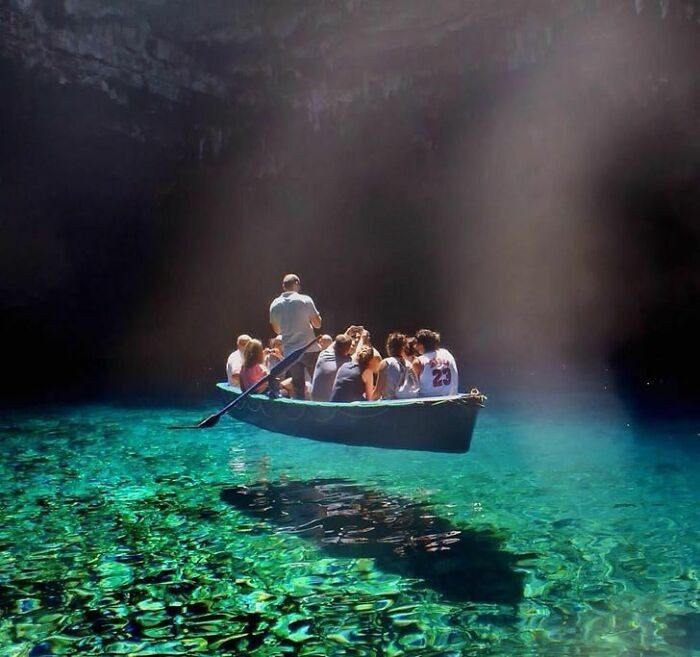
[566, 530]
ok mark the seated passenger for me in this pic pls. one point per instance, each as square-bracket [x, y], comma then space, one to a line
[253, 369]
[355, 380]
[274, 353]
[435, 367]
[360, 338]
[411, 351]
[409, 388]
[396, 378]
[235, 361]
[327, 365]
[392, 370]
[325, 341]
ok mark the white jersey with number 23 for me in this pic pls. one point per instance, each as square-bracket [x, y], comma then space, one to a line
[439, 376]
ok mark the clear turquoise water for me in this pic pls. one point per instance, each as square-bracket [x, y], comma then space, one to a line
[565, 531]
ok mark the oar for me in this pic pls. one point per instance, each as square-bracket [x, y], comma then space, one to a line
[280, 368]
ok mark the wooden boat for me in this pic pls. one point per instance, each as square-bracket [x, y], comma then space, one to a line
[433, 424]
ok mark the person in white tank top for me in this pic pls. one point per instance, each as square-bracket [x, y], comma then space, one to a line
[435, 367]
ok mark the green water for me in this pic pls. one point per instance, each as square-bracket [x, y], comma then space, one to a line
[564, 531]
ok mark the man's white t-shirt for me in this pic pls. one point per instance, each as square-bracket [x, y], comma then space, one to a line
[234, 365]
[439, 376]
[291, 312]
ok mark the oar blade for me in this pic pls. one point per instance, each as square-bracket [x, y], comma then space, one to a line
[209, 422]
[282, 366]
[206, 423]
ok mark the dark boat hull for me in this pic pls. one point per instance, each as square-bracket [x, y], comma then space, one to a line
[441, 424]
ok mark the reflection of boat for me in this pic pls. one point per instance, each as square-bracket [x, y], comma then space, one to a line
[403, 536]
[434, 424]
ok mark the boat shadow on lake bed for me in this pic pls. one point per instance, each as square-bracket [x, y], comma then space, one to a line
[347, 520]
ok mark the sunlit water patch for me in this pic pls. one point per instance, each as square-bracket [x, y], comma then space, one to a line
[561, 532]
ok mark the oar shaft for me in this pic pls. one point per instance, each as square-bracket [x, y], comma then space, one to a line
[281, 367]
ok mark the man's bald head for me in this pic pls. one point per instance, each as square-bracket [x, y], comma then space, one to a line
[291, 282]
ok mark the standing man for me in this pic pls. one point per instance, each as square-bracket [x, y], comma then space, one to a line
[294, 316]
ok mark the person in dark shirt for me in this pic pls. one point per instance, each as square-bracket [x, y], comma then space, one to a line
[355, 380]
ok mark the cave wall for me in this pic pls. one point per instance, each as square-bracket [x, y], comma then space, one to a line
[227, 64]
[154, 154]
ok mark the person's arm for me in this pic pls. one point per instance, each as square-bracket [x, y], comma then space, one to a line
[368, 379]
[274, 320]
[233, 370]
[261, 387]
[314, 315]
[417, 368]
[382, 377]
[352, 331]
[364, 340]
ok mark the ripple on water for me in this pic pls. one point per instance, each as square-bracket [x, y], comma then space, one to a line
[122, 538]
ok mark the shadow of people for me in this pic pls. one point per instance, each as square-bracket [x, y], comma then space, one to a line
[403, 536]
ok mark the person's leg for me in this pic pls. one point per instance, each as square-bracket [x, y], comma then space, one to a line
[309, 361]
[273, 388]
[296, 371]
[287, 387]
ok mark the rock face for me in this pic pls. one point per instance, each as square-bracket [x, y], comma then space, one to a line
[229, 61]
[531, 157]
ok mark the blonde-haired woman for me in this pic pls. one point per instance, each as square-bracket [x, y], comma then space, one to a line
[254, 369]
[253, 366]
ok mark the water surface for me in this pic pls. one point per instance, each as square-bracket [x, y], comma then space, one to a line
[566, 530]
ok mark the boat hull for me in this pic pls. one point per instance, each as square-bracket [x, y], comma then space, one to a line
[441, 424]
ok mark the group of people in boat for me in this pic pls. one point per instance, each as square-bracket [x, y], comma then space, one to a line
[345, 369]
